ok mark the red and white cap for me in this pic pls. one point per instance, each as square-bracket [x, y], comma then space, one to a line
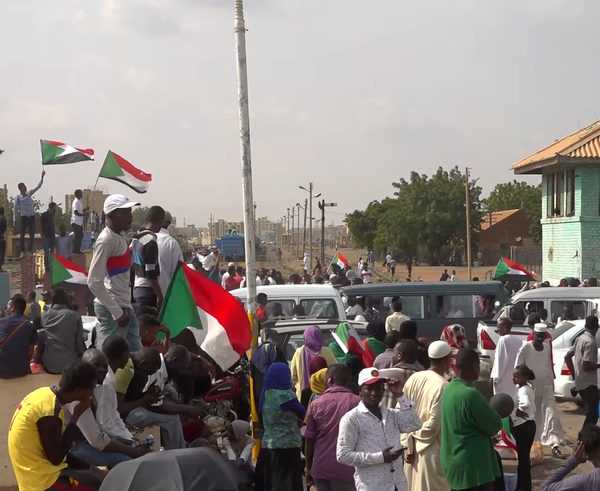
[369, 376]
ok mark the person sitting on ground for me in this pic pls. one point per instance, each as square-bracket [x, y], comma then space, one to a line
[18, 338]
[40, 436]
[63, 329]
[147, 309]
[34, 308]
[96, 447]
[116, 350]
[141, 393]
[239, 444]
[149, 329]
[586, 448]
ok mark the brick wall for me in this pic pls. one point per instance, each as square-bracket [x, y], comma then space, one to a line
[571, 245]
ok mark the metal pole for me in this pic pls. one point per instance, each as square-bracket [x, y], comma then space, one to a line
[287, 240]
[304, 232]
[467, 206]
[292, 230]
[249, 236]
[298, 232]
[310, 225]
[322, 206]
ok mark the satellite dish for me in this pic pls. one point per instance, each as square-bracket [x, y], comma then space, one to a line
[519, 239]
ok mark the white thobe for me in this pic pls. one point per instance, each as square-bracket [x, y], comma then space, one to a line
[549, 428]
[504, 363]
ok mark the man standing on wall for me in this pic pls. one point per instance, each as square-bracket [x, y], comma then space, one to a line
[48, 228]
[77, 214]
[25, 210]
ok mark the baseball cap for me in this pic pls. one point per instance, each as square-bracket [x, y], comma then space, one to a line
[438, 350]
[369, 376]
[117, 202]
[231, 265]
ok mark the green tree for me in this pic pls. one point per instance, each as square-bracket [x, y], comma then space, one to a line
[362, 225]
[139, 218]
[511, 195]
[427, 215]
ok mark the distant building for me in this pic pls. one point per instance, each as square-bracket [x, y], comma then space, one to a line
[502, 230]
[220, 227]
[570, 170]
[95, 200]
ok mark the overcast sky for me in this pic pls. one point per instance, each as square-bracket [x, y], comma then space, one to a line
[350, 94]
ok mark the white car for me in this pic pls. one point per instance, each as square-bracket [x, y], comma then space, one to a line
[563, 383]
[487, 339]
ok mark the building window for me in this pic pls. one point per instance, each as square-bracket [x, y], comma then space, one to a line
[570, 203]
[550, 195]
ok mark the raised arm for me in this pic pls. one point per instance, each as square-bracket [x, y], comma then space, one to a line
[35, 189]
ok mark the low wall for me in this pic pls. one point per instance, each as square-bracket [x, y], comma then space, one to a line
[12, 393]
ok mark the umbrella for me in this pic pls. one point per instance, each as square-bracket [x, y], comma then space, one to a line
[508, 270]
[190, 469]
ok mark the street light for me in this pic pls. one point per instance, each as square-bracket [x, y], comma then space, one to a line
[310, 219]
[456, 175]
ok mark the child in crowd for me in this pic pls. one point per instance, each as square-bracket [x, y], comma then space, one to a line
[239, 444]
[524, 426]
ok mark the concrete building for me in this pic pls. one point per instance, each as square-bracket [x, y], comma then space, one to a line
[570, 170]
[220, 227]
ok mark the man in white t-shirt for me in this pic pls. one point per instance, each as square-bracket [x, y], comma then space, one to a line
[169, 254]
[366, 275]
[77, 214]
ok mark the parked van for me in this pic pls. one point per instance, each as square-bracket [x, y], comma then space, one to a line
[582, 301]
[317, 301]
[435, 305]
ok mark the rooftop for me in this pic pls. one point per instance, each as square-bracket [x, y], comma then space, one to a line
[491, 219]
[580, 147]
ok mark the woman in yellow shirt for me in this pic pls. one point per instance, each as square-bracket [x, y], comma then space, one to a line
[300, 367]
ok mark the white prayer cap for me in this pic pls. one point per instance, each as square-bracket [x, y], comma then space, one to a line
[438, 349]
[360, 318]
[540, 327]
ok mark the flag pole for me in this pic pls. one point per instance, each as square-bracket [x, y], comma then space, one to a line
[248, 200]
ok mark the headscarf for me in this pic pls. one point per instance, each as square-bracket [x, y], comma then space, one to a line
[376, 329]
[456, 337]
[313, 343]
[318, 385]
[264, 357]
[316, 364]
[278, 377]
[240, 429]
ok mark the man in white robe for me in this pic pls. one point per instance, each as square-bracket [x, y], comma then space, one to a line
[536, 355]
[504, 361]
[422, 468]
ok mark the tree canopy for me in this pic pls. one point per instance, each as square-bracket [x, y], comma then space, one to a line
[425, 218]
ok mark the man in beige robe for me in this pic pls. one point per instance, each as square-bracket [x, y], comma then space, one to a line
[422, 468]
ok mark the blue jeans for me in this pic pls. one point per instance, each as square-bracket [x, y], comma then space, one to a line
[84, 451]
[109, 327]
[144, 295]
[49, 242]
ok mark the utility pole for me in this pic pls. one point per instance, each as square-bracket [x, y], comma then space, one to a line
[246, 160]
[287, 239]
[322, 205]
[304, 233]
[467, 200]
[298, 234]
[293, 231]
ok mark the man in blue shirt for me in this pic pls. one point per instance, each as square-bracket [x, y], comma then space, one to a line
[18, 337]
[25, 210]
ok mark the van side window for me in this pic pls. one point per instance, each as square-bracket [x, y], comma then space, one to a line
[280, 309]
[465, 306]
[561, 310]
[412, 306]
[320, 308]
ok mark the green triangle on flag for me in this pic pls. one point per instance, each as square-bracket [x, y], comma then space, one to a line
[50, 151]
[179, 309]
[58, 273]
[111, 168]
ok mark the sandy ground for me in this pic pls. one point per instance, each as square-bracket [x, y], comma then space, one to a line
[571, 419]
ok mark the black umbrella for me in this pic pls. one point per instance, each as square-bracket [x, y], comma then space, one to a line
[190, 469]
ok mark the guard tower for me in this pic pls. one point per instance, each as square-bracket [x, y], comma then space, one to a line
[570, 170]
